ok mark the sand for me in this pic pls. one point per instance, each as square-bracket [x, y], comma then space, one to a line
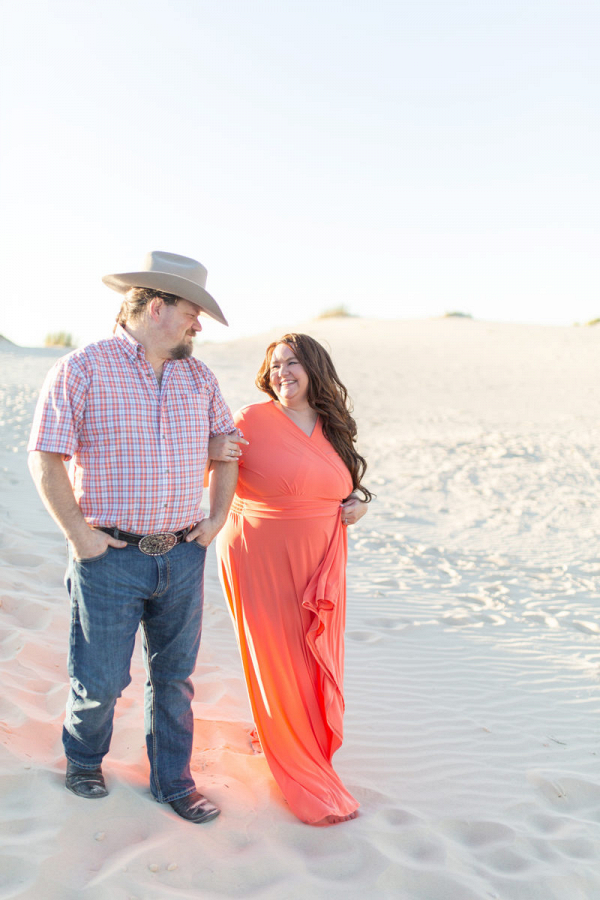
[472, 671]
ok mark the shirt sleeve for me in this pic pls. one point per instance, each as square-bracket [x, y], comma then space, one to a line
[221, 420]
[59, 409]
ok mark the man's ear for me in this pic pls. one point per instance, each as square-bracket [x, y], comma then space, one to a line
[155, 308]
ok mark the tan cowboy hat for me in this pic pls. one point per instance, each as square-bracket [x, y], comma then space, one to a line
[178, 275]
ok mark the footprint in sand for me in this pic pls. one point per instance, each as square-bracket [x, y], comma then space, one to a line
[18, 874]
[547, 825]
[576, 849]
[26, 614]
[399, 818]
[389, 624]
[478, 834]
[507, 861]
[586, 627]
[20, 559]
[365, 637]
[567, 794]
[10, 644]
[542, 619]
[457, 619]
[413, 845]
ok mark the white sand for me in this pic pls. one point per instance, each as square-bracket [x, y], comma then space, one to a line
[473, 703]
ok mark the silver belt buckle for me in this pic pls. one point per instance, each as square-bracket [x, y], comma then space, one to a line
[157, 544]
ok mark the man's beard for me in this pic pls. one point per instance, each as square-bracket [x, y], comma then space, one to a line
[182, 350]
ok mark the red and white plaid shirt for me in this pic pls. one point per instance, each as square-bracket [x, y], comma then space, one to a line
[138, 450]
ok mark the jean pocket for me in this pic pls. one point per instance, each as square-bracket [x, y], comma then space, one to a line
[91, 559]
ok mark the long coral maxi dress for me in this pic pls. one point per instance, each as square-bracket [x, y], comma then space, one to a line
[282, 562]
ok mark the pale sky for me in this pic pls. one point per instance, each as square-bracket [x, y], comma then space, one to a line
[404, 159]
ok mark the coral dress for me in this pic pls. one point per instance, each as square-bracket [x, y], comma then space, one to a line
[282, 562]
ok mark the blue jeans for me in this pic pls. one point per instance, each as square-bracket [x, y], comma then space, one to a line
[111, 595]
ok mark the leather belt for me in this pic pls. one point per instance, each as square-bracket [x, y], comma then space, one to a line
[150, 544]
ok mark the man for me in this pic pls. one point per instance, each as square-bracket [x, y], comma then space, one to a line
[134, 414]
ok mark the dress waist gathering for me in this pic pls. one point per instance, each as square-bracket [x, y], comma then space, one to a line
[285, 507]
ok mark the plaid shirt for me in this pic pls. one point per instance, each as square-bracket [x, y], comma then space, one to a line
[138, 450]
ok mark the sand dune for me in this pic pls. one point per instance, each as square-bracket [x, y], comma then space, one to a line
[472, 670]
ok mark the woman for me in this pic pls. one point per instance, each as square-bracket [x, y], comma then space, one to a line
[282, 563]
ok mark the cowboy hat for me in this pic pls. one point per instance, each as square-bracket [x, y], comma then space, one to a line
[178, 275]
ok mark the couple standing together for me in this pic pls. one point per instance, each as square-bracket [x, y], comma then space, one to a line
[140, 419]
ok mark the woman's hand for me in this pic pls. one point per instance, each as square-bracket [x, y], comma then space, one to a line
[226, 447]
[353, 509]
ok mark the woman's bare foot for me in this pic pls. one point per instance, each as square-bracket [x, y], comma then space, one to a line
[335, 820]
[255, 741]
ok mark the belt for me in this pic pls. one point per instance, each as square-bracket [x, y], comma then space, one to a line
[150, 544]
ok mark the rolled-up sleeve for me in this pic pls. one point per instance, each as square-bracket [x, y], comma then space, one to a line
[59, 410]
[221, 420]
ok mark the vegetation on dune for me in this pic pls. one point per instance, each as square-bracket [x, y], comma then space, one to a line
[593, 322]
[457, 315]
[59, 339]
[336, 312]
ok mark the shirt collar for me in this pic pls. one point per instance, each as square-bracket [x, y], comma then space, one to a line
[130, 345]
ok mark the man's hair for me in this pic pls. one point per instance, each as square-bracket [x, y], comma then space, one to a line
[137, 299]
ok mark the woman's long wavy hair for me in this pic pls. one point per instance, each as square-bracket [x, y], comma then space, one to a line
[327, 396]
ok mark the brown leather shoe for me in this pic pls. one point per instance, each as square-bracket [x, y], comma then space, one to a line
[87, 783]
[195, 808]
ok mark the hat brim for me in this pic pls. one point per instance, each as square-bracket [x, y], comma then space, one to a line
[171, 284]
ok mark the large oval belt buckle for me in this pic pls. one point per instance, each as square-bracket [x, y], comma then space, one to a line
[157, 544]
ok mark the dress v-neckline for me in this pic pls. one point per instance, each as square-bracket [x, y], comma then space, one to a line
[280, 412]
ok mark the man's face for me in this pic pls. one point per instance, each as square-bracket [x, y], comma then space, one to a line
[180, 325]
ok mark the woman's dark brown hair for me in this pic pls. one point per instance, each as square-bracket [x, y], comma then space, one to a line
[327, 395]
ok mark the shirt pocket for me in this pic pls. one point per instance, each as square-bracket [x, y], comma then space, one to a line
[191, 422]
[195, 405]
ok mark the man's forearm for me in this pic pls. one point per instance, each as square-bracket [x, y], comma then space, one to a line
[53, 485]
[224, 476]
[223, 480]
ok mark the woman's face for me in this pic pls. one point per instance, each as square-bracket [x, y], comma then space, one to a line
[288, 378]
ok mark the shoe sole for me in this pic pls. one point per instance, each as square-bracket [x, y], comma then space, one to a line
[86, 796]
[208, 817]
